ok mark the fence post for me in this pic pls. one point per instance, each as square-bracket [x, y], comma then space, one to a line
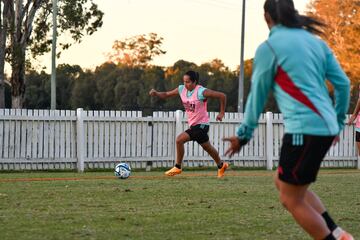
[178, 127]
[149, 143]
[80, 139]
[269, 141]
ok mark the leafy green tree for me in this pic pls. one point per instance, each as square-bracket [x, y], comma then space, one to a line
[152, 77]
[127, 88]
[66, 77]
[105, 78]
[216, 76]
[122, 87]
[117, 86]
[38, 87]
[83, 92]
[138, 50]
[27, 26]
[37, 95]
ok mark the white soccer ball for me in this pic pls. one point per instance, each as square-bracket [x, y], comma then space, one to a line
[122, 170]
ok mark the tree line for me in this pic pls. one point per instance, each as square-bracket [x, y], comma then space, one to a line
[122, 87]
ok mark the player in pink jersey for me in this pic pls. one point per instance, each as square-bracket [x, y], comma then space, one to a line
[194, 98]
[356, 116]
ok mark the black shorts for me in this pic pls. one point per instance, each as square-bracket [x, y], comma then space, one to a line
[357, 136]
[301, 157]
[199, 133]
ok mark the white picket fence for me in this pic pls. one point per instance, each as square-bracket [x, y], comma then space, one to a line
[64, 139]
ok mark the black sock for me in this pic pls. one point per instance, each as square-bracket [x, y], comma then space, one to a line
[330, 237]
[329, 222]
[220, 165]
[178, 166]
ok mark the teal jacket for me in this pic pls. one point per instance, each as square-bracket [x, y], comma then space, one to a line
[295, 65]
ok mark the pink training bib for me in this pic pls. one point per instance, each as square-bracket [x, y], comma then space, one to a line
[358, 118]
[196, 110]
[358, 121]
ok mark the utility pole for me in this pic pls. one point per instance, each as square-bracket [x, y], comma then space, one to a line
[241, 75]
[53, 57]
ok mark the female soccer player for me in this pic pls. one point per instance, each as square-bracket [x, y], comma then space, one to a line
[356, 116]
[294, 64]
[194, 98]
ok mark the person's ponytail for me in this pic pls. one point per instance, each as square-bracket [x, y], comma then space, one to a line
[197, 78]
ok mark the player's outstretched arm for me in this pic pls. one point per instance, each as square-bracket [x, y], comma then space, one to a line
[164, 95]
[355, 113]
[337, 77]
[262, 81]
[208, 93]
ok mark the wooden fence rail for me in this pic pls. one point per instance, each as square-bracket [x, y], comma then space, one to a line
[64, 139]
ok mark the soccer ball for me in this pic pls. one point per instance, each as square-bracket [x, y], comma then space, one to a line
[122, 170]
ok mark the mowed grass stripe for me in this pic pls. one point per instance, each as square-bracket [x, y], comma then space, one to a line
[184, 175]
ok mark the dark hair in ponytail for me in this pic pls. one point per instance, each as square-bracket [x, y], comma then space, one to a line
[194, 76]
[284, 12]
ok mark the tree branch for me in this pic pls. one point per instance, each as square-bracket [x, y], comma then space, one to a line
[1, 13]
[29, 21]
[25, 10]
[4, 23]
[10, 15]
[3, 33]
[18, 22]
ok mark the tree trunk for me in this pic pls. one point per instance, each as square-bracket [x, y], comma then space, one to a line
[3, 32]
[18, 78]
[22, 20]
[2, 82]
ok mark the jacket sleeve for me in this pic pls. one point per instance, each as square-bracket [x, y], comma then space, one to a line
[262, 82]
[341, 83]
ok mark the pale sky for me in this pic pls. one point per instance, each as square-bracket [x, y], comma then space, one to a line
[193, 30]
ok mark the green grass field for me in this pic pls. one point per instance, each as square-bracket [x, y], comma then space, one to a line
[195, 205]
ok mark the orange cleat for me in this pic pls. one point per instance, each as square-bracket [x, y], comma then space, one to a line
[174, 171]
[345, 236]
[221, 171]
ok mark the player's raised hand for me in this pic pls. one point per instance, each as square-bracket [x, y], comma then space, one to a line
[352, 119]
[220, 117]
[235, 145]
[153, 92]
[336, 140]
